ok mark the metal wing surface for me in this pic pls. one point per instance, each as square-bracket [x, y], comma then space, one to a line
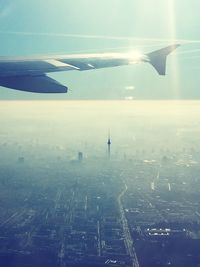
[29, 74]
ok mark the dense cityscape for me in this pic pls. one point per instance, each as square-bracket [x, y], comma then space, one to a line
[99, 207]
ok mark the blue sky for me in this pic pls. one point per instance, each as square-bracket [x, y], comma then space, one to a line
[161, 19]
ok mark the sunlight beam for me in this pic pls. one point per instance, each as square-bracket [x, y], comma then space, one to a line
[172, 30]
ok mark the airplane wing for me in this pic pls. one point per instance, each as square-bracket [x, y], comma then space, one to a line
[29, 74]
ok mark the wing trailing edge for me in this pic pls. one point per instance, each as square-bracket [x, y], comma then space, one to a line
[35, 84]
[158, 58]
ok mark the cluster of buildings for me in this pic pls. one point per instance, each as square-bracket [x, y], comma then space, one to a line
[97, 214]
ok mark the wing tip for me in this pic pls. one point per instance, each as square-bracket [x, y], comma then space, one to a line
[158, 58]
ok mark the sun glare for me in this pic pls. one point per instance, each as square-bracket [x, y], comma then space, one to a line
[135, 56]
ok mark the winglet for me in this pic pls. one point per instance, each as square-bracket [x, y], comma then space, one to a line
[158, 58]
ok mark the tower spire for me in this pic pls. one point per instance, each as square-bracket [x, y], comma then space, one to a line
[109, 144]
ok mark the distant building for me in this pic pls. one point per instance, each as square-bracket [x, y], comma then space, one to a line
[21, 159]
[80, 156]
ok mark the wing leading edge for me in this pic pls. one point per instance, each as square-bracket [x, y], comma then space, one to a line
[28, 74]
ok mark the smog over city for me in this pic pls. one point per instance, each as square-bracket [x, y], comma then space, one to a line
[67, 202]
[100, 133]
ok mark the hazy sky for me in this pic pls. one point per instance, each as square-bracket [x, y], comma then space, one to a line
[161, 19]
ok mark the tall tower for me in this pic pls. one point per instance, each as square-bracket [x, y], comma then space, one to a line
[109, 144]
